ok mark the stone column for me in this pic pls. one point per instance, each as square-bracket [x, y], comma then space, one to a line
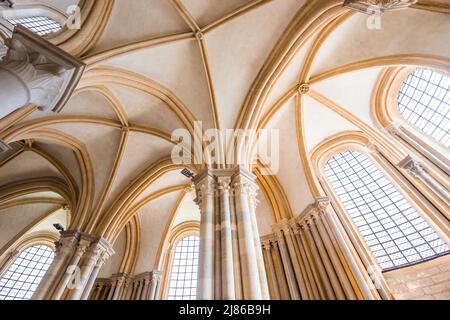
[230, 260]
[253, 202]
[90, 265]
[228, 290]
[62, 286]
[120, 281]
[154, 285]
[139, 289]
[64, 251]
[205, 200]
[249, 264]
[271, 269]
[416, 169]
[288, 268]
[98, 266]
[310, 281]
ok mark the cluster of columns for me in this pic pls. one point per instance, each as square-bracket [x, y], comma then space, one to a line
[306, 258]
[231, 264]
[78, 260]
[123, 287]
[403, 134]
[417, 170]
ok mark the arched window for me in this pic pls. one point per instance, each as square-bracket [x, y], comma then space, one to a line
[393, 229]
[424, 102]
[183, 277]
[24, 275]
[40, 25]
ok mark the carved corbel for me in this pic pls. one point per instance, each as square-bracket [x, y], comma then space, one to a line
[39, 73]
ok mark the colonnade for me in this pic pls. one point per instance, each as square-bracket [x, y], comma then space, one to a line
[77, 263]
[121, 286]
[308, 258]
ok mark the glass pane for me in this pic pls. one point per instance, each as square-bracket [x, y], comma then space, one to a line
[183, 283]
[395, 232]
[25, 274]
[38, 24]
[424, 101]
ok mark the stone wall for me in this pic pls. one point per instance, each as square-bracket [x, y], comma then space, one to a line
[429, 280]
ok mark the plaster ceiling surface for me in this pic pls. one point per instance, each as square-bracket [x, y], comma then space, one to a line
[46, 225]
[154, 216]
[112, 265]
[331, 123]
[402, 32]
[18, 220]
[187, 211]
[352, 91]
[210, 80]
[170, 179]
[292, 180]
[27, 165]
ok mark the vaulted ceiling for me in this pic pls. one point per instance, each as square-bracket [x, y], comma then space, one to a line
[160, 65]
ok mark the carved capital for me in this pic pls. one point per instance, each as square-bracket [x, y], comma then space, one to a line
[47, 74]
[369, 6]
[4, 147]
[412, 166]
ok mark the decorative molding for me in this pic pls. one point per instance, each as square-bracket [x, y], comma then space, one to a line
[4, 147]
[42, 68]
[372, 6]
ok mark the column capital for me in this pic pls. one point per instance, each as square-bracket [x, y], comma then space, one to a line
[369, 6]
[42, 67]
[413, 166]
[372, 147]
[4, 147]
[156, 275]
[393, 128]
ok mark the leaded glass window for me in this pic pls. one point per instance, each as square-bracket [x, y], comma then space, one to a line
[395, 232]
[424, 101]
[25, 274]
[38, 24]
[183, 278]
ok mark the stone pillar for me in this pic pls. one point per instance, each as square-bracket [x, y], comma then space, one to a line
[205, 200]
[64, 250]
[62, 286]
[139, 289]
[272, 277]
[288, 267]
[230, 260]
[78, 259]
[253, 202]
[34, 71]
[416, 169]
[228, 290]
[120, 281]
[251, 283]
[98, 250]
[154, 285]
